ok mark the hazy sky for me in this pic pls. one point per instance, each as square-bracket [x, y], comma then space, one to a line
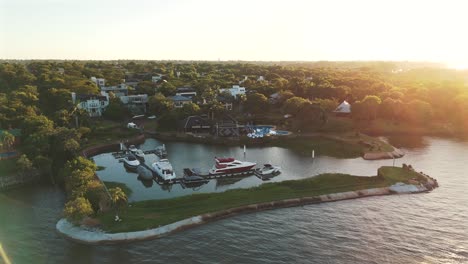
[235, 30]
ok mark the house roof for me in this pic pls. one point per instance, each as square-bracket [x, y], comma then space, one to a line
[85, 97]
[344, 107]
[185, 89]
[180, 98]
[15, 132]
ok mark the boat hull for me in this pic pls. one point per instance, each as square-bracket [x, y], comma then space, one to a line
[231, 170]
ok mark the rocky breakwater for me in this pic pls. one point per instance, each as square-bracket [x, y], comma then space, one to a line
[396, 153]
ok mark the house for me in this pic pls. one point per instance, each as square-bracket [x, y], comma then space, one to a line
[179, 101]
[260, 78]
[157, 78]
[274, 98]
[186, 92]
[226, 102]
[135, 103]
[234, 91]
[93, 104]
[99, 81]
[118, 90]
[344, 109]
[227, 126]
[196, 124]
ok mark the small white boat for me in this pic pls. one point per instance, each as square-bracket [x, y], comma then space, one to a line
[164, 169]
[137, 152]
[131, 162]
[268, 169]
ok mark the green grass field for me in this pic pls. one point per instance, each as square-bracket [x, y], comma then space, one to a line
[150, 214]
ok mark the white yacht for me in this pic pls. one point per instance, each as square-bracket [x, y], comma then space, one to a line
[164, 169]
[131, 162]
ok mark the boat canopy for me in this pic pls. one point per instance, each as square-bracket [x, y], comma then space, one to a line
[224, 160]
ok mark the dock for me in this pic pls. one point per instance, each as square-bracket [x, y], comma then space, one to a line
[125, 153]
[205, 177]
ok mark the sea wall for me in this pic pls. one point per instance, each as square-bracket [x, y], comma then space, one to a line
[15, 180]
[92, 236]
[396, 153]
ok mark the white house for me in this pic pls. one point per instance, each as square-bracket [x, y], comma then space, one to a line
[234, 91]
[343, 109]
[260, 78]
[118, 90]
[93, 104]
[186, 92]
[156, 78]
[99, 81]
[136, 103]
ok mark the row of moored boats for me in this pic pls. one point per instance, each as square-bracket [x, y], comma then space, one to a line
[165, 170]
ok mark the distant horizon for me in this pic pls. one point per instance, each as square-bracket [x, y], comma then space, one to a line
[243, 30]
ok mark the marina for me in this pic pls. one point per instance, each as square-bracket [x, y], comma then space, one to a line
[191, 177]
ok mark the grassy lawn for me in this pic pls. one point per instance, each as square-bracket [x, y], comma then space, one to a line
[107, 131]
[150, 214]
[321, 146]
[7, 167]
[122, 186]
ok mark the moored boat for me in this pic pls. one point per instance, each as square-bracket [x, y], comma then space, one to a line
[231, 165]
[137, 152]
[268, 169]
[164, 169]
[131, 162]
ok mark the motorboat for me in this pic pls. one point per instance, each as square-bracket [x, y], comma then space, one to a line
[137, 152]
[131, 162]
[144, 173]
[161, 151]
[268, 169]
[190, 175]
[231, 165]
[164, 169]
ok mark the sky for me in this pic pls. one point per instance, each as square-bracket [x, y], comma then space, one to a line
[251, 30]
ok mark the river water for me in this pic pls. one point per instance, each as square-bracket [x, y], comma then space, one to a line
[420, 228]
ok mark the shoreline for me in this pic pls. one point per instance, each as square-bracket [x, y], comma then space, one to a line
[91, 236]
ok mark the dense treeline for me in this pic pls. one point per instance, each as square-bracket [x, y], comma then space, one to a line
[36, 97]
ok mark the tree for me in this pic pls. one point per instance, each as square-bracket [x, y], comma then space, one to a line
[189, 109]
[294, 104]
[118, 197]
[115, 110]
[256, 102]
[159, 104]
[167, 89]
[7, 140]
[370, 105]
[24, 165]
[78, 208]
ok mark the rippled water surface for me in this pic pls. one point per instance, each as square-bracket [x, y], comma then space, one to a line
[420, 228]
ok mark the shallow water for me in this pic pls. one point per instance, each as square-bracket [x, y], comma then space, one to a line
[420, 228]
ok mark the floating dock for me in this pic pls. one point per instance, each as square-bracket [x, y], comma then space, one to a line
[204, 177]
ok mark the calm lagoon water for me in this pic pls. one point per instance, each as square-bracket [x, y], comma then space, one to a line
[420, 228]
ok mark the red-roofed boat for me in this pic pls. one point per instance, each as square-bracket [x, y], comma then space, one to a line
[231, 165]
